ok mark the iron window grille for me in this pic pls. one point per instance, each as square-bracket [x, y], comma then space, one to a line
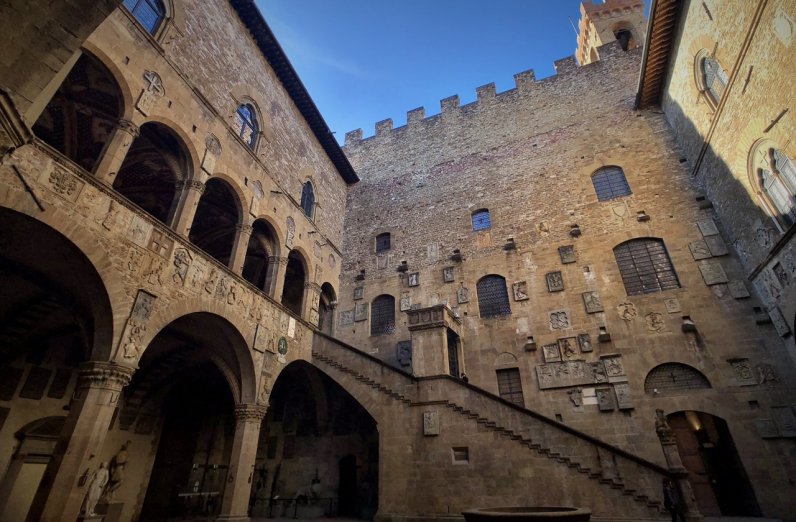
[149, 13]
[493, 297]
[307, 199]
[510, 386]
[246, 124]
[645, 266]
[481, 220]
[382, 315]
[610, 183]
[674, 377]
[383, 242]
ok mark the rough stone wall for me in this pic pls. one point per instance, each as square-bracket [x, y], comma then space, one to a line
[527, 155]
[752, 110]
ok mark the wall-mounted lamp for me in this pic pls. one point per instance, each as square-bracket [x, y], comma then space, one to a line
[642, 216]
[361, 275]
[403, 267]
[530, 344]
[456, 256]
[688, 324]
[575, 231]
[510, 244]
[604, 336]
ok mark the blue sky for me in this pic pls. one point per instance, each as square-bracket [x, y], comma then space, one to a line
[366, 60]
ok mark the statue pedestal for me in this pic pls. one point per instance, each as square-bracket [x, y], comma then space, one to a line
[110, 512]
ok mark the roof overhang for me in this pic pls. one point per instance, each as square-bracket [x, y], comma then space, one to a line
[253, 20]
[661, 27]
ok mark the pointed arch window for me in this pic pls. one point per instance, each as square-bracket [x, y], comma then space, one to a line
[711, 77]
[493, 296]
[382, 315]
[149, 13]
[610, 183]
[645, 266]
[308, 199]
[246, 124]
[774, 178]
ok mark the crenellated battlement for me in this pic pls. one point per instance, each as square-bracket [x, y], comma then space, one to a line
[525, 82]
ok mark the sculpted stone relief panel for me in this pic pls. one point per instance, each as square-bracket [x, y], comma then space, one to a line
[131, 344]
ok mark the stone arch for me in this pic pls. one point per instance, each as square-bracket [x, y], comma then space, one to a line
[229, 328]
[186, 138]
[506, 360]
[276, 229]
[240, 195]
[216, 222]
[672, 377]
[297, 275]
[121, 80]
[95, 286]
[242, 94]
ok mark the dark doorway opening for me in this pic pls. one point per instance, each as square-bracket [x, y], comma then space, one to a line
[347, 496]
[453, 354]
[717, 476]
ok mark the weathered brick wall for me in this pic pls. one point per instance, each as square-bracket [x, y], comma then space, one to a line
[527, 155]
[752, 110]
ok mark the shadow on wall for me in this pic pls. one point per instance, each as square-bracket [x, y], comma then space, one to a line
[746, 224]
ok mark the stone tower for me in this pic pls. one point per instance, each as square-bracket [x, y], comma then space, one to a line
[602, 23]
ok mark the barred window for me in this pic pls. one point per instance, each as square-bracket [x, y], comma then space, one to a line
[307, 199]
[510, 386]
[382, 315]
[149, 13]
[383, 242]
[481, 220]
[610, 182]
[246, 124]
[493, 296]
[670, 378]
[645, 266]
[782, 200]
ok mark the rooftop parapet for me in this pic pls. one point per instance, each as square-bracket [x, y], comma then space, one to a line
[525, 82]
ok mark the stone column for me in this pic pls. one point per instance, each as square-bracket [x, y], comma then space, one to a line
[191, 193]
[115, 151]
[275, 278]
[312, 297]
[60, 494]
[235, 504]
[243, 232]
[676, 469]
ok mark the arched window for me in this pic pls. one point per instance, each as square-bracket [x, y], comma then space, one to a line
[711, 76]
[671, 378]
[493, 296]
[246, 124]
[610, 182]
[382, 315]
[645, 266]
[149, 13]
[625, 38]
[481, 220]
[308, 199]
[383, 242]
[774, 178]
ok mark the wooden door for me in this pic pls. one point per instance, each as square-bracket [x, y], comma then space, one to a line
[688, 446]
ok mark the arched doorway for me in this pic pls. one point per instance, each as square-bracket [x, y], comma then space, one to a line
[83, 113]
[318, 452]
[262, 246]
[295, 277]
[181, 402]
[54, 315]
[717, 476]
[157, 160]
[213, 228]
[326, 307]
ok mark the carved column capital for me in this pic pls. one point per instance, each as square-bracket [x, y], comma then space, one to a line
[190, 184]
[250, 412]
[244, 228]
[129, 127]
[315, 287]
[276, 259]
[97, 374]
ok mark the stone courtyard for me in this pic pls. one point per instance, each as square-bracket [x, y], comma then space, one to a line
[565, 293]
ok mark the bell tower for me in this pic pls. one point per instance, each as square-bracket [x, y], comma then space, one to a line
[603, 22]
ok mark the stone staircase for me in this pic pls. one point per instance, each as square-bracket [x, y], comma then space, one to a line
[606, 465]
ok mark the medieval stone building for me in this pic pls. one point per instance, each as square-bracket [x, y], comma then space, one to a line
[560, 294]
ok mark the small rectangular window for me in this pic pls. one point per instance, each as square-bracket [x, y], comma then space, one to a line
[383, 242]
[481, 220]
[461, 455]
[510, 386]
